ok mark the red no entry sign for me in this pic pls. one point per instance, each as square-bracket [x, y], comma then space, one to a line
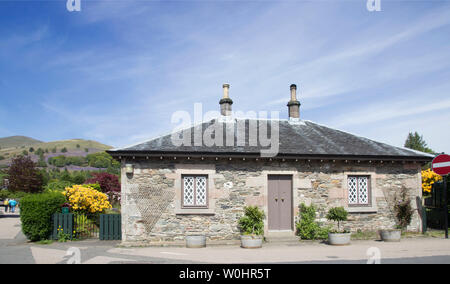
[441, 165]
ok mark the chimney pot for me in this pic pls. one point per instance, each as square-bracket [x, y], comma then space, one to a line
[225, 102]
[294, 104]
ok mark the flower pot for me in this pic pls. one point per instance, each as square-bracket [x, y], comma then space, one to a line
[251, 241]
[390, 235]
[65, 210]
[198, 241]
[339, 239]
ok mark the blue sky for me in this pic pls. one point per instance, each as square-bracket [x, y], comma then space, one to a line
[117, 70]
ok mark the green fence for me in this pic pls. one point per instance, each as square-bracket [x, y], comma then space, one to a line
[110, 227]
[62, 222]
[79, 226]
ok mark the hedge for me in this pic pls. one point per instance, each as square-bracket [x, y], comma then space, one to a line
[36, 212]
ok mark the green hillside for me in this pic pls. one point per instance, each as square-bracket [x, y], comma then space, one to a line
[17, 141]
[73, 144]
[66, 147]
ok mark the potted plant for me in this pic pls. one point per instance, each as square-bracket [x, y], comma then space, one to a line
[252, 227]
[403, 214]
[339, 237]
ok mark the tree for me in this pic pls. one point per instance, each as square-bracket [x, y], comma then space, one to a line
[416, 142]
[64, 150]
[337, 214]
[24, 176]
[107, 182]
[31, 150]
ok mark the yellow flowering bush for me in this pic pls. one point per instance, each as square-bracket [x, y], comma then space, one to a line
[84, 198]
[428, 178]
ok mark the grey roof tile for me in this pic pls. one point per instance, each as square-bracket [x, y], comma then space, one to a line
[303, 138]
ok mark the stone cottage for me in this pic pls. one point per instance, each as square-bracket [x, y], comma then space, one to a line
[177, 185]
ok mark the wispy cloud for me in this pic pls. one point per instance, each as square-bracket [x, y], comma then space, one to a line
[117, 70]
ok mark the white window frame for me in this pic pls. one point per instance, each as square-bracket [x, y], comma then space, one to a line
[195, 203]
[372, 206]
[358, 191]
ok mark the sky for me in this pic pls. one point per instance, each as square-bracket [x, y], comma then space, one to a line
[116, 71]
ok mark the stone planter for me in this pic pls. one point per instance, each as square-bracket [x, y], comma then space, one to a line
[390, 235]
[339, 239]
[196, 241]
[251, 241]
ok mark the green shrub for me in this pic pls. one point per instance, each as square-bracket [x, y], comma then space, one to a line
[36, 212]
[307, 227]
[95, 186]
[337, 214]
[58, 185]
[403, 209]
[252, 222]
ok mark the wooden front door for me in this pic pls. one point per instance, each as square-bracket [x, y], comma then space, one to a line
[280, 202]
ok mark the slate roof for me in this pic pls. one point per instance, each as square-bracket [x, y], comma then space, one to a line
[300, 139]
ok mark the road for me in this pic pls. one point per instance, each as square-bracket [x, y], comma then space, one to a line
[14, 248]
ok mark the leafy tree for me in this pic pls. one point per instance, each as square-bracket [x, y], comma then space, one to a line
[54, 150]
[64, 150]
[25, 152]
[337, 214]
[107, 182]
[24, 176]
[31, 150]
[78, 146]
[416, 142]
[41, 161]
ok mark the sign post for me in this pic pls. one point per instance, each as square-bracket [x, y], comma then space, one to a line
[441, 166]
[445, 207]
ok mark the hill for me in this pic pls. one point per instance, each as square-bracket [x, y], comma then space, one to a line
[73, 147]
[17, 141]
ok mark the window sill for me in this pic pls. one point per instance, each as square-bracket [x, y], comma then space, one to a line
[194, 211]
[361, 209]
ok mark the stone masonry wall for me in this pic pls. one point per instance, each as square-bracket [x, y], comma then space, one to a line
[151, 196]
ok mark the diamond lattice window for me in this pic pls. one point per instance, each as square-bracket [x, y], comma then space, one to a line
[195, 192]
[358, 190]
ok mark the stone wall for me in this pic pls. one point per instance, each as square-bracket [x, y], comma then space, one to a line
[151, 210]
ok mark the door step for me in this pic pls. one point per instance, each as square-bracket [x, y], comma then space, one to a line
[281, 237]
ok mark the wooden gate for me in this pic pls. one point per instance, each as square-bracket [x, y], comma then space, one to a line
[110, 227]
[62, 222]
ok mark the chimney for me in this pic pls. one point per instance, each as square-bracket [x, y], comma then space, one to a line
[225, 102]
[293, 104]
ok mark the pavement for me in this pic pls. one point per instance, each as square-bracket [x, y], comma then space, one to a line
[14, 248]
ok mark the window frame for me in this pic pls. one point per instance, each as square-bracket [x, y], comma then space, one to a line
[369, 190]
[195, 206]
